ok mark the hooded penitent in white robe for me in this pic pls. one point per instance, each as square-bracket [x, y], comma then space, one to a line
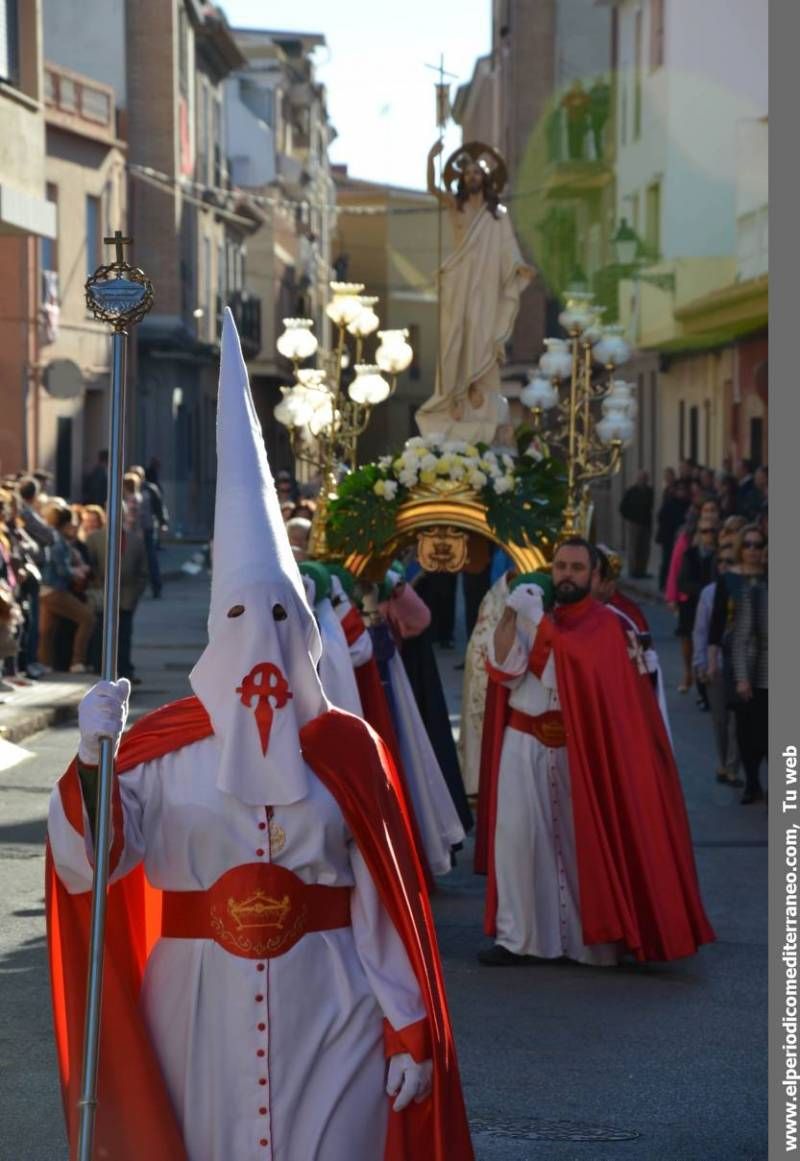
[335, 665]
[280, 1060]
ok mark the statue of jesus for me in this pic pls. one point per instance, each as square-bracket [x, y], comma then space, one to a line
[479, 286]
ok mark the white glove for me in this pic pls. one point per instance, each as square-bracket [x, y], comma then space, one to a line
[339, 598]
[408, 1080]
[651, 660]
[528, 601]
[102, 714]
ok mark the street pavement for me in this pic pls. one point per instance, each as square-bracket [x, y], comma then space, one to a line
[567, 1063]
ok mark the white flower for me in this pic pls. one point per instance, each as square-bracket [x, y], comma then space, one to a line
[503, 484]
[477, 480]
[457, 471]
[454, 446]
[379, 487]
[390, 489]
[408, 477]
[508, 461]
[534, 451]
[428, 463]
[415, 441]
[385, 462]
[410, 459]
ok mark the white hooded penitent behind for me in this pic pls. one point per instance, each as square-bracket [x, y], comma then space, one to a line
[257, 677]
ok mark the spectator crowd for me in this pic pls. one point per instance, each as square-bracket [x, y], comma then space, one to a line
[712, 529]
[52, 572]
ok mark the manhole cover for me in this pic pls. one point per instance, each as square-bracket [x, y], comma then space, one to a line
[540, 1130]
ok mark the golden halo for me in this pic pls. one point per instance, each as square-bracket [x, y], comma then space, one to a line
[479, 152]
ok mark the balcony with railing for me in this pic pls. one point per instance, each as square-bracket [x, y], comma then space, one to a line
[79, 104]
[246, 311]
[580, 142]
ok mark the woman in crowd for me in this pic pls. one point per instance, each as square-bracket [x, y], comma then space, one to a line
[698, 569]
[739, 645]
[722, 718]
[58, 601]
[706, 509]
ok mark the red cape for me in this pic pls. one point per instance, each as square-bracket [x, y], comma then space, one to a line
[637, 877]
[634, 611]
[134, 1116]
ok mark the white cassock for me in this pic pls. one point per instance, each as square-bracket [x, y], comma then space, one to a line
[538, 902]
[336, 664]
[473, 698]
[288, 1051]
[437, 818]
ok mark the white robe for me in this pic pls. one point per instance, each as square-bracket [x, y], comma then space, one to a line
[473, 698]
[437, 819]
[288, 1051]
[538, 902]
[336, 665]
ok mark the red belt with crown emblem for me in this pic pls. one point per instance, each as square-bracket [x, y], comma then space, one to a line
[256, 910]
[548, 728]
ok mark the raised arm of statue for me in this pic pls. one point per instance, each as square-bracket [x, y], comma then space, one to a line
[434, 188]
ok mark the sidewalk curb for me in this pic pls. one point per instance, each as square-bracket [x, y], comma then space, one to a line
[42, 717]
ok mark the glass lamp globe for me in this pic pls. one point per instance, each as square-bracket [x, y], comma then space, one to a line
[369, 387]
[367, 322]
[612, 350]
[294, 409]
[539, 392]
[577, 314]
[394, 355]
[615, 426]
[556, 362]
[312, 378]
[297, 342]
[345, 306]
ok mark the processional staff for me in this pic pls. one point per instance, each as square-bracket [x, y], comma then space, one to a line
[443, 111]
[120, 295]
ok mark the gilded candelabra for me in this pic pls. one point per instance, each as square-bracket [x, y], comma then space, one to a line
[324, 416]
[574, 376]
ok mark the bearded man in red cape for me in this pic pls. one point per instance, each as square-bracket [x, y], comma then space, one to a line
[272, 986]
[583, 828]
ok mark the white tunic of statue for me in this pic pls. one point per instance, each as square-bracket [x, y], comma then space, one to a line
[480, 287]
[538, 910]
[289, 1049]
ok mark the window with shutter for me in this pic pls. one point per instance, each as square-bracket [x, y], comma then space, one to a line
[656, 34]
[9, 42]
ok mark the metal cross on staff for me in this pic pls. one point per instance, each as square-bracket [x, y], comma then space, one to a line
[442, 117]
[119, 241]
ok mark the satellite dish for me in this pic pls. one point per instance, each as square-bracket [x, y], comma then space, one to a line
[63, 379]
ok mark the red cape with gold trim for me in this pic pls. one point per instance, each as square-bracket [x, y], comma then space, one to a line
[636, 871]
[134, 1116]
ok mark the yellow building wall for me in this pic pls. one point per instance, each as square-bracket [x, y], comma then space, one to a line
[699, 381]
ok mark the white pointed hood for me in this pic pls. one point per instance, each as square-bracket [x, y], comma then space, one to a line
[257, 677]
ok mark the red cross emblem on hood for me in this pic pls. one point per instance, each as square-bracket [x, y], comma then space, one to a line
[265, 683]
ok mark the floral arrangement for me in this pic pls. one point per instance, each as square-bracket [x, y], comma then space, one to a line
[523, 495]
